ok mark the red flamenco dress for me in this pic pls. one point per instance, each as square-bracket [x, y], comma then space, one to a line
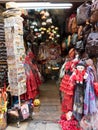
[32, 79]
[67, 88]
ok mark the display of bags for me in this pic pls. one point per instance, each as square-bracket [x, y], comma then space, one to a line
[83, 13]
[92, 44]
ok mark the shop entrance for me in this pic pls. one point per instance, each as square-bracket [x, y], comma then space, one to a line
[34, 44]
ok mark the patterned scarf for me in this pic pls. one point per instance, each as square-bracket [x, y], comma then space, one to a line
[89, 99]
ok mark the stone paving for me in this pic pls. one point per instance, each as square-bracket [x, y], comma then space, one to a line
[46, 116]
[43, 126]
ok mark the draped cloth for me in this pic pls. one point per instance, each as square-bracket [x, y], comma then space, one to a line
[89, 98]
[78, 101]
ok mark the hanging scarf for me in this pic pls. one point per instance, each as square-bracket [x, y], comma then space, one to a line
[89, 99]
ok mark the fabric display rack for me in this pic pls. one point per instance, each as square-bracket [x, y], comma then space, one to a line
[3, 76]
[79, 78]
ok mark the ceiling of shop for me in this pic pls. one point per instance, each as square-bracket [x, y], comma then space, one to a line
[62, 13]
[43, 0]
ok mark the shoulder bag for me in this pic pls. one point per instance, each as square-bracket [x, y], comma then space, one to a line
[83, 13]
[92, 44]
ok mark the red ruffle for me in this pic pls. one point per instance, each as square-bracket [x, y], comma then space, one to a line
[69, 125]
[68, 65]
[96, 88]
[66, 86]
[32, 83]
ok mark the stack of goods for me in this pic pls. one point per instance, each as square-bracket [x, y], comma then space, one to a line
[15, 50]
[3, 56]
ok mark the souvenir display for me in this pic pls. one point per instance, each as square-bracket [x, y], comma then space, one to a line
[15, 54]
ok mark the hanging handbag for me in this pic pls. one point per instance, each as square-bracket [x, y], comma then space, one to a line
[94, 17]
[85, 32]
[79, 46]
[94, 6]
[92, 44]
[74, 27]
[94, 12]
[71, 22]
[80, 36]
[83, 13]
[74, 39]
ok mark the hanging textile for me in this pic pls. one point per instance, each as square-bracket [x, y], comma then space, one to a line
[33, 77]
[89, 100]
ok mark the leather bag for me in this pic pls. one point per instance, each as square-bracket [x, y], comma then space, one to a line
[79, 46]
[94, 12]
[94, 17]
[74, 39]
[74, 28]
[87, 29]
[92, 44]
[72, 23]
[80, 31]
[94, 6]
[83, 13]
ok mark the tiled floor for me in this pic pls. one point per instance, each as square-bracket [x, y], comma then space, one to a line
[45, 117]
[50, 102]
